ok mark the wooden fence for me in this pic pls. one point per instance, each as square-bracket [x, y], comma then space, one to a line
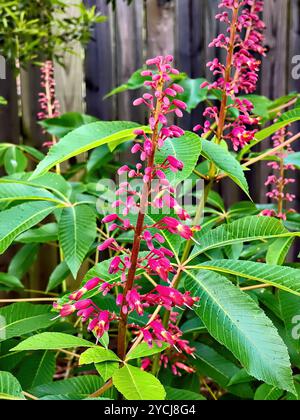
[120, 46]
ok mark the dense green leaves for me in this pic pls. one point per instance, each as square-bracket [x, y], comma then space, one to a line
[10, 281]
[10, 388]
[107, 369]
[268, 393]
[213, 364]
[226, 162]
[44, 234]
[135, 384]
[83, 139]
[76, 232]
[98, 355]
[81, 387]
[63, 125]
[37, 370]
[23, 318]
[60, 273]
[20, 218]
[52, 341]
[174, 394]
[247, 229]
[22, 261]
[143, 350]
[14, 160]
[235, 320]
[19, 192]
[284, 278]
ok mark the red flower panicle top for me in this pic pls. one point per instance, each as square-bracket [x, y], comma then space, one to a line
[243, 44]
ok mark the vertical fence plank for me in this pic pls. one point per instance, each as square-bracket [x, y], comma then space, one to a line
[128, 54]
[160, 27]
[70, 77]
[294, 76]
[30, 88]
[294, 85]
[99, 69]
[9, 115]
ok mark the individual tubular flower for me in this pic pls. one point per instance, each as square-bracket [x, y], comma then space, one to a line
[279, 181]
[154, 192]
[239, 74]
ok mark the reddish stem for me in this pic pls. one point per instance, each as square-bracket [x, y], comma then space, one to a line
[122, 346]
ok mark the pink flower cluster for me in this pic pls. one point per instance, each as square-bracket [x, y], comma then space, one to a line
[279, 181]
[48, 102]
[156, 262]
[242, 44]
[50, 107]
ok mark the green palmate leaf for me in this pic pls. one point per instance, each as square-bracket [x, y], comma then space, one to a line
[234, 319]
[66, 123]
[52, 341]
[23, 318]
[53, 182]
[214, 199]
[23, 260]
[135, 384]
[32, 152]
[83, 139]
[186, 149]
[50, 181]
[293, 159]
[14, 160]
[284, 278]
[226, 162]
[143, 350]
[249, 229]
[98, 355]
[193, 325]
[107, 369]
[268, 393]
[10, 388]
[174, 394]
[72, 397]
[214, 365]
[241, 377]
[37, 370]
[278, 251]
[42, 235]
[60, 273]
[76, 231]
[19, 192]
[8, 361]
[20, 218]
[82, 386]
[210, 363]
[10, 281]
